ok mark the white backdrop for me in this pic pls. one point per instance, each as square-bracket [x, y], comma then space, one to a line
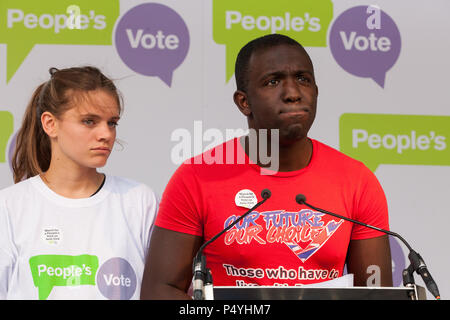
[417, 84]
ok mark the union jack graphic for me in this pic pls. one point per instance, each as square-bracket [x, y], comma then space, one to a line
[318, 239]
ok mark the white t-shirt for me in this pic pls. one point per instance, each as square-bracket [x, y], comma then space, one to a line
[52, 247]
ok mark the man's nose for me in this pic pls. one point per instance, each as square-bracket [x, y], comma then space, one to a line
[291, 90]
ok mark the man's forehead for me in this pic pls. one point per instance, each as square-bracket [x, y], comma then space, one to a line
[269, 59]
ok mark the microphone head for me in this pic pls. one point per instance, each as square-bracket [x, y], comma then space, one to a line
[300, 198]
[265, 194]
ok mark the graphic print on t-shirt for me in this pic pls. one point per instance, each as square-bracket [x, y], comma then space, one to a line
[304, 232]
[115, 279]
[52, 270]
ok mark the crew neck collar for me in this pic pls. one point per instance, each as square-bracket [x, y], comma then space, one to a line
[264, 171]
[69, 202]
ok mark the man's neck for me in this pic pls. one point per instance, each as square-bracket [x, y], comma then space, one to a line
[295, 156]
[292, 156]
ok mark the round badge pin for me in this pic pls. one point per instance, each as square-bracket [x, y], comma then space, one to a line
[245, 198]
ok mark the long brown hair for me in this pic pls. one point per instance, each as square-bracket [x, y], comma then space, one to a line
[33, 149]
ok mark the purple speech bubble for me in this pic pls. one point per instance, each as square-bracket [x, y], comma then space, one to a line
[362, 48]
[116, 279]
[398, 261]
[152, 40]
[11, 149]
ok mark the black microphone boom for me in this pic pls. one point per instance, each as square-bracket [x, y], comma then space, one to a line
[417, 263]
[199, 265]
[301, 199]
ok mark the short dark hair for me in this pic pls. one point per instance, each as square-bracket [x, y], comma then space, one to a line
[241, 67]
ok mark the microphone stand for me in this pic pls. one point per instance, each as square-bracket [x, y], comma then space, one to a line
[417, 264]
[408, 279]
[199, 265]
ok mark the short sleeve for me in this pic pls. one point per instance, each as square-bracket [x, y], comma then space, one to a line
[181, 204]
[370, 206]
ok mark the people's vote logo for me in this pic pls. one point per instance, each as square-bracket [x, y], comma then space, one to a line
[49, 271]
[116, 279]
[152, 40]
[25, 24]
[236, 22]
[365, 42]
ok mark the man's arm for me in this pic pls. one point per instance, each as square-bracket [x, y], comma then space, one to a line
[370, 258]
[168, 269]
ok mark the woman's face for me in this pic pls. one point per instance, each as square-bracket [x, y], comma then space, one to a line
[85, 134]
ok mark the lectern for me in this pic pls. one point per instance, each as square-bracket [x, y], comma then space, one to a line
[413, 292]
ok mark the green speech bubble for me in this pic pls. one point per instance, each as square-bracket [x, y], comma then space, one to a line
[62, 270]
[6, 129]
[395, 139]
[236, 22]
[25, 23]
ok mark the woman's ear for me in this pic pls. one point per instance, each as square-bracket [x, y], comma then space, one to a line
[49, 124]
[241, 101]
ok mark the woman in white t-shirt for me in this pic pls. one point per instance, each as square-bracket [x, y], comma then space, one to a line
[68, 231]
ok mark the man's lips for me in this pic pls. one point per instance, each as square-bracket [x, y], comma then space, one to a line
[296, 112]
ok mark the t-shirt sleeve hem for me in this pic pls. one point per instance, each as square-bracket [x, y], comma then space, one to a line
[367, 235]
[176, 227]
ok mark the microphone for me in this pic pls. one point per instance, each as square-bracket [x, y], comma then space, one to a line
[199, 265]
[417, 263]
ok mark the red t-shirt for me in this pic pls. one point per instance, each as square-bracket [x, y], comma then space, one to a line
[281, 242]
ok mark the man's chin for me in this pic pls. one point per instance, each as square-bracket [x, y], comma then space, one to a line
[292, 135]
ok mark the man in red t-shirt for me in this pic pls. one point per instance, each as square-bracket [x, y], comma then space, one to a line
[280, 243]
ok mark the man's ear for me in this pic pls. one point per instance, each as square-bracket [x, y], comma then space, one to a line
[241, 101]
[49, 124]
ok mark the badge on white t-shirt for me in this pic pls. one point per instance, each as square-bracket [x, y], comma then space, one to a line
[51, 235]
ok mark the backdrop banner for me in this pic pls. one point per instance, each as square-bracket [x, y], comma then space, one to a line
[382, 71]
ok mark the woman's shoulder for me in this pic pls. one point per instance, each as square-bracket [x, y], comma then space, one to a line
[128, 186]
[19, 188]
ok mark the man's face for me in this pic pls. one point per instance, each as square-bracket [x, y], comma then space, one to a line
[281, 92]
